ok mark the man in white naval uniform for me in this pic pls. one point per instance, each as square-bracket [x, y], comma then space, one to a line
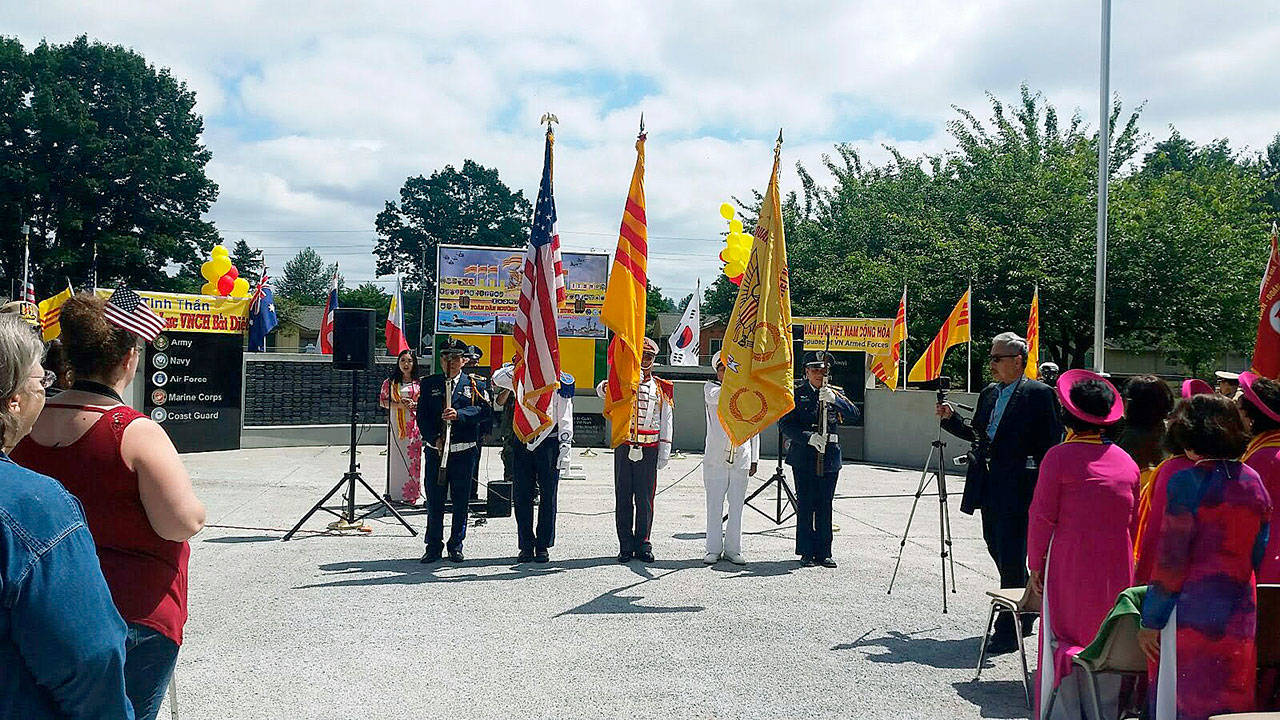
[637, 461]
[724, 473]
[538, 464]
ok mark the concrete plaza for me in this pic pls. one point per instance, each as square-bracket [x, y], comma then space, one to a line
[328, 626]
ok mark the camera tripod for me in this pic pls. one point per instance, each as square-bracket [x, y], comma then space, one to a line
[938, 471]
[778, 515]
[346, 513]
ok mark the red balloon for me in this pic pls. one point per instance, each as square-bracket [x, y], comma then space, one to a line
[233, 273]
[736, 280]
[226, 284]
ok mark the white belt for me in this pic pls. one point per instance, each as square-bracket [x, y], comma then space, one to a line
[456, 447]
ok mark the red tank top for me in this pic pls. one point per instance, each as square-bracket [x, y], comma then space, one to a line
[147, 574]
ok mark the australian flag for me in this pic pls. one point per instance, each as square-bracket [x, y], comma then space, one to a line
[262, 316]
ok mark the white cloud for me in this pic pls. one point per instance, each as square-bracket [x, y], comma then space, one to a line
[317, 111]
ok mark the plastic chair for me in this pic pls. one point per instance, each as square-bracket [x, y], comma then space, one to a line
[1019, 602]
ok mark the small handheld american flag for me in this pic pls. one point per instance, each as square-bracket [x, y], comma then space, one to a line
[126, 309]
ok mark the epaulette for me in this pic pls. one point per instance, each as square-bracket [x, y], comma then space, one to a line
[667, 388]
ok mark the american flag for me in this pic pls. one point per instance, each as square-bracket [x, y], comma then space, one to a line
[541, 294]
[126, 309]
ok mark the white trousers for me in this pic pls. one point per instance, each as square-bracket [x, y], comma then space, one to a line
[722, 480]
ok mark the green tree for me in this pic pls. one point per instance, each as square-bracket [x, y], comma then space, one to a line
[368, 295]
[718, 298]
[247, 261]
[100, 149]
[1268, 165]
[655, 302]
[471, 206]
[306, 278]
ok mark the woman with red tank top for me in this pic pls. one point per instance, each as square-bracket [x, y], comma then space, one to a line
[137, 496]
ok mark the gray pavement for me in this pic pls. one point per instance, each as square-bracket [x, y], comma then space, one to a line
[329, 626]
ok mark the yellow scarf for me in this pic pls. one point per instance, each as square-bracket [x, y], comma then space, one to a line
[401, 414]
[1268, 439]
[1089, 437]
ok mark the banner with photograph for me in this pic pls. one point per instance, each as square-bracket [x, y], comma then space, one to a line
[478, 289]
[869, 335]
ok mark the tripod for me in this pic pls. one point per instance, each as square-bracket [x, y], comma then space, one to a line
[939, 472]
[346, 514]
[777, 515]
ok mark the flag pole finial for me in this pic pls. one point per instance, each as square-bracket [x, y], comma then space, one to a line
[777, 149]
[642, 124]
[548, 119]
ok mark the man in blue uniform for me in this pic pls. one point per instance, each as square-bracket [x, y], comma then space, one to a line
[469, 409]
[815, 490]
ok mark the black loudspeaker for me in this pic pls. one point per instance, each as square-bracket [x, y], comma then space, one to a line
[797, 350]
[499, 499]
[353, 339]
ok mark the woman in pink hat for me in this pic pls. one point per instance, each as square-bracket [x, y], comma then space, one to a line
[1260, 406]
[1079, 538]
[1155, 494]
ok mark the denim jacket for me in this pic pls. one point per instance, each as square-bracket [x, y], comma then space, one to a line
[61, 639]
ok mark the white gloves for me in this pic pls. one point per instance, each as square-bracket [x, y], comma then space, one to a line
[826, 395]
[663, 459]
[563, 460]
[818, 441]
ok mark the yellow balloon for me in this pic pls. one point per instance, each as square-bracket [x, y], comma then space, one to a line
[220, 264]
[209, 272]
[241, 289]
[726, 211]
[735, 226]
[734, 269]
[218, 251]
[209, 288]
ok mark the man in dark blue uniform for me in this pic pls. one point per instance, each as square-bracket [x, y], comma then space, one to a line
[815, 490]
[469, 409]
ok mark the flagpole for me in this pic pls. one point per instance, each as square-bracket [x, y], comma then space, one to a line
[902, 351]
[26, 258]
[1104, 148]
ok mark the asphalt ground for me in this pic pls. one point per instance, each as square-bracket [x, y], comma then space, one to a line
[352, 625]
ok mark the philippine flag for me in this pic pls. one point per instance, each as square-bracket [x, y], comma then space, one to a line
[396, 342]
[326, 325]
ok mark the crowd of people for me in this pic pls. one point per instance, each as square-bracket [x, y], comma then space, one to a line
[96, 509]
[1171, 498]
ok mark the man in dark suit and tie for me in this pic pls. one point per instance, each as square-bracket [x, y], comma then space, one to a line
[469, 409]
[1015, 423]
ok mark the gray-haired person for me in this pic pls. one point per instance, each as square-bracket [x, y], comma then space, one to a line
[61, 638]
[1015, 422]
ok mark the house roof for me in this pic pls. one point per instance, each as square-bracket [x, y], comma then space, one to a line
[666, 323]
[310, 317]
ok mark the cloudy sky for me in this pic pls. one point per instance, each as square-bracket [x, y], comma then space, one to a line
[316, 112]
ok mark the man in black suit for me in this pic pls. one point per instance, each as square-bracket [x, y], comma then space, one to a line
[1014, 424]
[469, 410]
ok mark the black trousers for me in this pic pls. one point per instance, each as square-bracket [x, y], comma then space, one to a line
[458, 479]
[1006, 537]
[536, 469]
[634, 485]
[814, 496]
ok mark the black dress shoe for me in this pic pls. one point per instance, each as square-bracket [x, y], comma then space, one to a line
[1002, 644]
[524, 556]
[455, 556]
[645, 556]
[542, 556]
[430, 556]
[827, 563]
[806, 561]
[1028, 625]
[625, 556]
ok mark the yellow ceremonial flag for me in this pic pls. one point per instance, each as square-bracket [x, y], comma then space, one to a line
[885, 367]
[51, 312]
[953, 332]
[758, 382]
[623, 311]
[1033, 337]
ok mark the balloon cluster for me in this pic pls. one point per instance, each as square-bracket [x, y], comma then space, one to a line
[737, 250]
[221, 277]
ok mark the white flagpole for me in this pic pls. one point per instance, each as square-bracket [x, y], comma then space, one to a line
[697, 298]
[26, 259]
[902, 350]
[1104, 147]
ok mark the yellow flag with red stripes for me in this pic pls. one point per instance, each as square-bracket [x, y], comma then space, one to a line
[625, 301]
[953, 332]
[1033, 337]
[51, 312]
[885, 367]
[758, 381]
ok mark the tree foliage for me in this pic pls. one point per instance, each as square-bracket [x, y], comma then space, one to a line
[1011, 206]
[248, 261]
[471, 206]
[306, 278]
[99, 147]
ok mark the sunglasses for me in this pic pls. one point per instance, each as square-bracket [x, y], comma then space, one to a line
[998, 358]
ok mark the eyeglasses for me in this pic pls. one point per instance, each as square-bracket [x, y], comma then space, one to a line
[998, 358]
[46, 380]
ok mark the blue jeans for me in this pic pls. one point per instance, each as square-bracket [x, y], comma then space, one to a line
[148, 664]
